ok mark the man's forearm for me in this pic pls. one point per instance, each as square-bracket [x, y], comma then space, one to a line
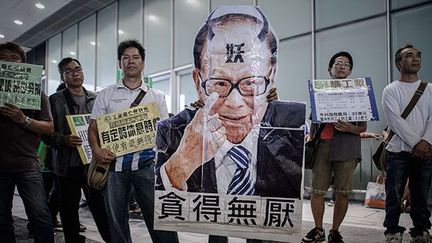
[41, 127]
[93, 135]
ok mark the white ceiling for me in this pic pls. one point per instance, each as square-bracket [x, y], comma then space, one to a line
[27, 12]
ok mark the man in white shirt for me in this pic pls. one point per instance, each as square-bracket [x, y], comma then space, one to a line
[410, 150]
[134, 169]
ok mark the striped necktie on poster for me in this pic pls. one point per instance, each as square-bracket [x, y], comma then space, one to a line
[241, 184]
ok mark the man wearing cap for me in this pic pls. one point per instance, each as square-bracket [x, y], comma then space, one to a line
[338, 153]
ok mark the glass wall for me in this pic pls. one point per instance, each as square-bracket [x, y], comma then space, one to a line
[409, 26]
[157, 35]
[87, 50]
[187, 89]
[70, 42]
[130, 20]
[54, 56]
[106, 65]
[189, 16]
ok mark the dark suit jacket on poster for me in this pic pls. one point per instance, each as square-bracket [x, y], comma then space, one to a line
[279, 156]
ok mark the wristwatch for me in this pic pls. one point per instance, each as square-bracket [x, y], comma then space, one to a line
[26, 122]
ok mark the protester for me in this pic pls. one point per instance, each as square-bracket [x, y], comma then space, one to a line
[134, 169]
[69, 169]
[19, 164]
[410, 151]
[337, 156]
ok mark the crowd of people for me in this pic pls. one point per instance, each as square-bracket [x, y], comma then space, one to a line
[338, 154]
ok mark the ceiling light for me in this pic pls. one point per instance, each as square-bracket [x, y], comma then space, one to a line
[2, 36]
[152, 18]
[54, 61]
[40, 6]
[18, 22]
[93, 43]
[193, 2]
[72, 53]
[120, 32]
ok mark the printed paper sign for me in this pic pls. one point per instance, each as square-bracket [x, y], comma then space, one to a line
[78, 125]
[342, 99]
[20, 85]
[129, 130]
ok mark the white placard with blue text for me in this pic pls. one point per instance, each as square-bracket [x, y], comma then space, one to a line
[350, 100]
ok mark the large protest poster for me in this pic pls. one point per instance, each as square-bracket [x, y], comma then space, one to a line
[342, 99]
[78, 124]
[235, 166]
[130, 130]
[20, 84]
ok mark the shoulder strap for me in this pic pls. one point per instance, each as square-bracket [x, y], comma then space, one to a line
[69, 101]
[138, 99]
[411, 104]
[316, 133]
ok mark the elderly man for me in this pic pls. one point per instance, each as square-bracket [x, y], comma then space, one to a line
[235, 65]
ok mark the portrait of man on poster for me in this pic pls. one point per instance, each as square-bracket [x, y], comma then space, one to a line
[239, 143]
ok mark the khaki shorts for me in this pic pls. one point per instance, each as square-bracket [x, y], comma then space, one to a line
[324, 170]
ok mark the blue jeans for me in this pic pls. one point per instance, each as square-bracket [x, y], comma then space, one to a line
[400, 167]
[30, 188]
[117, 194]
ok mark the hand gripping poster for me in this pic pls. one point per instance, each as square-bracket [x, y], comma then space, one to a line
[20, 85]
[234, 166]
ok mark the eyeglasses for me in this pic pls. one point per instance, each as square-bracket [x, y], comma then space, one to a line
[70, 70]
[345, 64]
[249, 86]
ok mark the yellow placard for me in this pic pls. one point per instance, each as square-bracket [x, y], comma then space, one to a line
[130, 130]
[78, 125]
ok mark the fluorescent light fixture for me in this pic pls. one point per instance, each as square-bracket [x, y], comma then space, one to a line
[2, 36]
[72, 53]
[193, 2]
[93, 43]
[152, 17]
[18, 22]
[54, 61]
[40, 6]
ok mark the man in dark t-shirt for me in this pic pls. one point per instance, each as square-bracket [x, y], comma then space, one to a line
[19, 164]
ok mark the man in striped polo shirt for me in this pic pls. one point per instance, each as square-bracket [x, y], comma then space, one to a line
[134, 169]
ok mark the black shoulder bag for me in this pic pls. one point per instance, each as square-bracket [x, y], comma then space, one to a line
[311, 147]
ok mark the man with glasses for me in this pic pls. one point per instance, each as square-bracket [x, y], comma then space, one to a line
[68, 167]
[338, 153]
[235, 66]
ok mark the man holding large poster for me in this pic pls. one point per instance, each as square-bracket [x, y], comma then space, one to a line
[135, 169]
[337, 156]
[231, 146]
